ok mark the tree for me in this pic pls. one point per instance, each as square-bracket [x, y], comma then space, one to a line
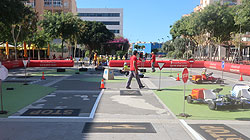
[242, 16]
[94, 34]
[59, 25]
[41, 39]
[212, 26]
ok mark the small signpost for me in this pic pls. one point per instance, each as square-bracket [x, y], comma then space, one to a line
[3, 76]
[77, 60]
[222, 67]
[25, 62]
[191, 62]
[160, 67]
[184, 79]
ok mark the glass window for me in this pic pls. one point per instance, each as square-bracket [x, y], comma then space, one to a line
[66, 4]
[99, 14]
[57, 3]
[111, 22]
[115, 31]
[47, 3]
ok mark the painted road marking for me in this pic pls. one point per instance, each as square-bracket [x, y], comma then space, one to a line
[51, 112]
[117, 127]
[218, 132]
[191, 130]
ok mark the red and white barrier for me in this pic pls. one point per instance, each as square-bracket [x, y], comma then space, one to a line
[168, 64]
[39, 63]
[51, 63]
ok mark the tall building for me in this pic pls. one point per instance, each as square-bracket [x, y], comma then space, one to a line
[111, 17]
[53, 5]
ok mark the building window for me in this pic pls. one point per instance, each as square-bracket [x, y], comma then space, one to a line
[110, 22]
[99, 14]
[57, 3]
[115, 31]
[47, 3]
[66, 4]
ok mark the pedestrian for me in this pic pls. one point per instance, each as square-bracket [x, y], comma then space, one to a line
[95, 58]
[126, 56]
[134, 71]
[153, 61]
[54, 57]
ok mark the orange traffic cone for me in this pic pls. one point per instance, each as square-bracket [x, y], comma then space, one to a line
[241, 78]
[102, 84]
[43, 78]
[178, 78]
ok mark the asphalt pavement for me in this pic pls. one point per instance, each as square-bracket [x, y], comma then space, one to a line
[79, 110]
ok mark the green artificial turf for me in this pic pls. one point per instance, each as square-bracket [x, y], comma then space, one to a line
[164, 72]
[55, 73]
[173, 98]
[21, 96]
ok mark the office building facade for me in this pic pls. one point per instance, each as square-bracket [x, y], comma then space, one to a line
[149, 46]
[53, 5]
[111, 17]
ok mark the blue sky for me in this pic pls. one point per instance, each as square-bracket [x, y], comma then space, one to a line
[145, 20]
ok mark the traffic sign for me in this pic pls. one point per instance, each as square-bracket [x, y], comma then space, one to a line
[191, 61]
[222, 64]
[25, 62]
[3, 72]
[185, 75]
[161, 65]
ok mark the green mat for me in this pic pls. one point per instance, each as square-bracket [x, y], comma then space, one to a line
[173, 99]
[21, 96]
[166, 73]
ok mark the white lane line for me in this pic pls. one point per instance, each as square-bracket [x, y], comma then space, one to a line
[149, 83]
[54, 82]
[191, 130]
[92, 114]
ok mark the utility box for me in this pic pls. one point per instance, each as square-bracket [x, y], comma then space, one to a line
[108, 74]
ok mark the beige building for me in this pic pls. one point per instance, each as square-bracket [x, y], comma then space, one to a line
[205, 3]
[53, 5]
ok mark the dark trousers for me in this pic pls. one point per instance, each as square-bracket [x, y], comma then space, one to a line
[131, 75]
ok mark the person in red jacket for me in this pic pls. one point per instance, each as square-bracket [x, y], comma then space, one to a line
[134, 71]
[153, 61]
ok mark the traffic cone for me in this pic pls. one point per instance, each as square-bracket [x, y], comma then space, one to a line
[241, 78]
[43, 78]
[102, 84]
[178, 77]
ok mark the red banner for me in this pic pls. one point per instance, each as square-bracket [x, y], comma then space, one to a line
[13, 64]
[39, 63]
[51, 63]
[168, 64]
